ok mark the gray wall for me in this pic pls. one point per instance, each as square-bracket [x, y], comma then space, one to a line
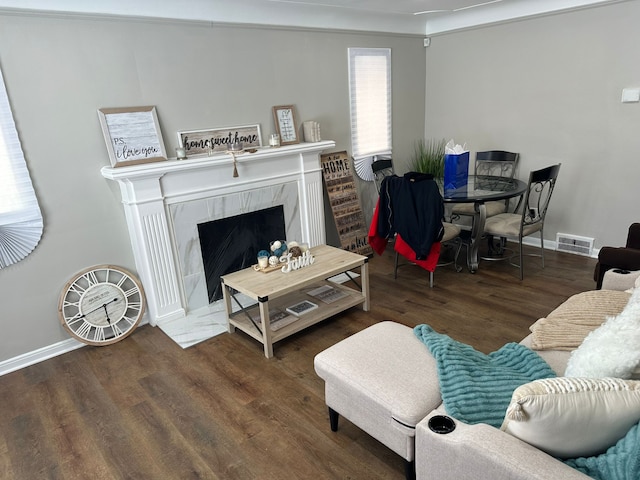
[550, 88]
[60, 70]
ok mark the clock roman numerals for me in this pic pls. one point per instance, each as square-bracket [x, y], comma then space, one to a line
[83, 329]
[131, 291]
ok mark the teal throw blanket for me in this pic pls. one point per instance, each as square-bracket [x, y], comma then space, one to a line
[477, 388]
[620, 462]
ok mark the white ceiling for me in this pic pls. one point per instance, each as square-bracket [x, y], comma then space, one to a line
[422, 17]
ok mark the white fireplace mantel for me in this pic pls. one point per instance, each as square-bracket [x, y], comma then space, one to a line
[150, 191]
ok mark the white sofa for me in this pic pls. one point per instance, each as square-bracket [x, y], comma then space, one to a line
[384, 380]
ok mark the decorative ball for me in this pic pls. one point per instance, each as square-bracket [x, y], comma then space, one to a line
[276, 245]
[295, 251]
[292, 244]
[273, 260]
[263, 253]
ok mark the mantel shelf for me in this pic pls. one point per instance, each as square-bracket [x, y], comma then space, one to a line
[158, 169]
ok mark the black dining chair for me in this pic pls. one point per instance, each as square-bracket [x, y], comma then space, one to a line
[533, 210]
[450, 233]
[489, 164]
[381, 168]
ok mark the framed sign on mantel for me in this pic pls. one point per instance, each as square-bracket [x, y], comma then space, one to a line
[286, 122]
[132, 135]
[203, 142]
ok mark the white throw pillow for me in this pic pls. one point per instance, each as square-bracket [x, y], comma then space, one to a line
[573, 417]
[611, 350]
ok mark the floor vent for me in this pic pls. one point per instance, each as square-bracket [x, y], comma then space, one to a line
[574, 244]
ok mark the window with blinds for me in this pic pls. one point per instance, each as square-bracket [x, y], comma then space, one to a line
[370, 99]
[20, 218]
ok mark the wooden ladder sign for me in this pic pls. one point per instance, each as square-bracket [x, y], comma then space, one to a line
[345, 205]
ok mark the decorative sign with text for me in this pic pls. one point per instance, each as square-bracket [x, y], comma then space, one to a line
[345, 205]
[132, 135]
[198, 142]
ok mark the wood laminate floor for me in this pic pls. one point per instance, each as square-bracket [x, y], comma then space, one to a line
[147, 409]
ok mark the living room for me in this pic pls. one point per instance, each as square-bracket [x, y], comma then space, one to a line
[547, 86]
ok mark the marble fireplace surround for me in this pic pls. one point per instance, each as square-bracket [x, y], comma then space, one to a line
[165, 201]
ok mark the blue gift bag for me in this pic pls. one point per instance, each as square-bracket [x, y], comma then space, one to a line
[456, 170]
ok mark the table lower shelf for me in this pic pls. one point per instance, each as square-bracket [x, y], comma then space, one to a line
[325, 310]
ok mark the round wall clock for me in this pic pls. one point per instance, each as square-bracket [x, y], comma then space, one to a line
[101, 305]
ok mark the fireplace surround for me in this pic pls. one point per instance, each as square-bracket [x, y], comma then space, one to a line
[165, 201]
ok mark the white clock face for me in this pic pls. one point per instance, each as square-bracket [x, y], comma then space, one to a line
[101, 305]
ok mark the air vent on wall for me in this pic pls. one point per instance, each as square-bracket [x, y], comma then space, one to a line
[574, 244]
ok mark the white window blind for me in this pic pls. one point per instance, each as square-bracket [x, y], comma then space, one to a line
[370, 99]
[20, 217]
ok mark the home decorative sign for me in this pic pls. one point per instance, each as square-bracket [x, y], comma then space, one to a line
[198, 142]
[132, 135]
[345, 205]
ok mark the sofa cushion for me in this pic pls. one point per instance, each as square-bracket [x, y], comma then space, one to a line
[613, 349]
[567, 326]
[573, 417]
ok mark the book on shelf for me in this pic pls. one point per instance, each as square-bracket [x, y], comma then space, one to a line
[327, 293]
[277, 319]
[301, 308]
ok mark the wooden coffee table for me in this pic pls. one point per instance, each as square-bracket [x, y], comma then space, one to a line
[275, 291]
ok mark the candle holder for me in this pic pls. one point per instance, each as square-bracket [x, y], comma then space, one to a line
[181, 153]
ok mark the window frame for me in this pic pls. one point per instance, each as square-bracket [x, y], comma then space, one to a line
[361, 74]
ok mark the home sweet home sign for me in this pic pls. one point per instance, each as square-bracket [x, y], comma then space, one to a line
[345, 205]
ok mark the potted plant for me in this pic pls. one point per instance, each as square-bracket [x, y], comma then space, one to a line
[429, 157]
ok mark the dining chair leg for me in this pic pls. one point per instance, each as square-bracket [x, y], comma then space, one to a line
[430, 279]
[395, 267]
[542, 246]
[521, 261]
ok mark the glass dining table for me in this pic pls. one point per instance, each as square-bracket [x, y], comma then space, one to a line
[481, 189]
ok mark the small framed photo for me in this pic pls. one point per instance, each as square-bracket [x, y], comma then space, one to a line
[301, 308]
[132, 135]
[286, 122]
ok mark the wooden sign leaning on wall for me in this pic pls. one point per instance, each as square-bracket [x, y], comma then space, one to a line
[132, 135]
[345, 205]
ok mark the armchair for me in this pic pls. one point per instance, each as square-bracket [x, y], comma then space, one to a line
[625, 258]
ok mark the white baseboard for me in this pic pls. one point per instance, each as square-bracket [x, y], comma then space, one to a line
[45, 353]
[40, 355]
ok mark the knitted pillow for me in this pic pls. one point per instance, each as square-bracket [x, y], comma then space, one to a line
[573, 417]
[567, 326]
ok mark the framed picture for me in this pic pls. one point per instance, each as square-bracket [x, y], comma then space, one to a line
[132, 135]
[286, 122]
[199, 142]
